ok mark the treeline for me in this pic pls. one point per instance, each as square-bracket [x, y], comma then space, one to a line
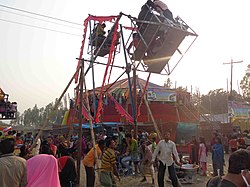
[35, 117]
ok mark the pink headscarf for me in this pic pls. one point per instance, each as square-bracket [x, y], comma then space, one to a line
[42, 171]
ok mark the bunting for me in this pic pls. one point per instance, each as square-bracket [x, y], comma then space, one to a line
[121, 110]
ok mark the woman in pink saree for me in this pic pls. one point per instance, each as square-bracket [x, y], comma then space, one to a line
[42, 171]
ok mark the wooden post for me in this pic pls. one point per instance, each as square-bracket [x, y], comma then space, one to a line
[135, 99]
[151, 114]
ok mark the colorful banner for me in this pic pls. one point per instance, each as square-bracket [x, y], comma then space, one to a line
[156, 94]
[238, 110]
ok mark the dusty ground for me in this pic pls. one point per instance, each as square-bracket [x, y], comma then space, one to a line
[134, 181]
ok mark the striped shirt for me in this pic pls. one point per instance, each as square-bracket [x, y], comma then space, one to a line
[108, 159]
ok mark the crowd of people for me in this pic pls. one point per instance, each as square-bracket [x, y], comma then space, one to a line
[124, 153]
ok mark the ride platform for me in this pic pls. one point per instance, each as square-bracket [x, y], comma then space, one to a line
[164, 49]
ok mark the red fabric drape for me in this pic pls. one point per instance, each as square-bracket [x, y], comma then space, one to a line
[72, 118]
[110, 59]
[96, 18]
[130, 28]
[121, 110]
[85, 113]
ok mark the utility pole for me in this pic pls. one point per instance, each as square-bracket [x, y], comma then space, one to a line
[231, 82]
[230, 98]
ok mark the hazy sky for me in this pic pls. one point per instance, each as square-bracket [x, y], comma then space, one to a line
[36, 63]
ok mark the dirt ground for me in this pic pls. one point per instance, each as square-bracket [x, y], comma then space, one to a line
[134, 181]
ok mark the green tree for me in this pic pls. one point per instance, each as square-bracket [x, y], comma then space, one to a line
[216, 101]
[36, 117]
[168, 83]
[245, 84]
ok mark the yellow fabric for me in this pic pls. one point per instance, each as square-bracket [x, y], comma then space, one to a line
[89, 159]
[65, 118]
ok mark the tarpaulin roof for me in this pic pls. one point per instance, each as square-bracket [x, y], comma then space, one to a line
[123, 84]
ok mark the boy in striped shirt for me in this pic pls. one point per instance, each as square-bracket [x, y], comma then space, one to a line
[108, 165]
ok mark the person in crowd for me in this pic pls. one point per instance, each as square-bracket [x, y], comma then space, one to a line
[152, 148]
[45, 148]
[146, 157]
[235, 133]
[1, 136]
[233, 143]
[42, 170]
[53, 147]
[246, 139]
[133, 43]
[37, 146]
[225, 143]
[84, 146]
[146, 15]
[182, 141]
[29, 139]
[218, 157]
[103, 135]
[238, 171]
[67, 171]
[108, 165]
[212, 141]
[123, 149]
[167, 154]
[98, 35]
[202, 156]
[89, 162]
[12, 168]
[19, 140]
[121, 136]
[64, 149]
[10, 135]
[241, 142]
[111, 34]
[131, 155]
[25, 152]
[193, 150]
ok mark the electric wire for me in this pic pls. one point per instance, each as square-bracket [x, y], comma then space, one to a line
[41, 15]
[40, 19]
[40, 27]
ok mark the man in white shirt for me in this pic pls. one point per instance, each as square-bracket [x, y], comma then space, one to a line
[167, 154]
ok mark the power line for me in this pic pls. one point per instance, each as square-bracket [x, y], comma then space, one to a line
[39, 27]
[40, 15]
[39, 19]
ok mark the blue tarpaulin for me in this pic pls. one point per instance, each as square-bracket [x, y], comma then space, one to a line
[87, 126]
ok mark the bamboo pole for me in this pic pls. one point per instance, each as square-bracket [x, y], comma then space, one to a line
[91, 125]
[53, 110]
[79, 153]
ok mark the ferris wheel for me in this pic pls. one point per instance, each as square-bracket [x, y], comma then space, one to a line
[148, 43]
